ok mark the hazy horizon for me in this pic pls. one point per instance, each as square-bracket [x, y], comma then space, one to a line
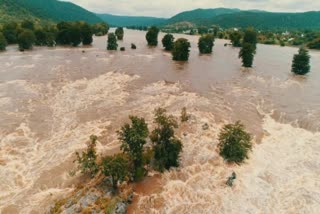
[166, 8]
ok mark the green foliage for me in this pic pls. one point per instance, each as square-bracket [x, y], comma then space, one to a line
[167, 147]
[206, 43]
[41, 37]
[10, 32]
[26, 39]
[180, 51]
[86, 33]
[117, 167]
[235, 38]
[133, 138]
[315, 44]
[247, 55]
[167, 42]
[87, 161]
[301, 62]
[152, 36]
[184, 115]
[250, 36]
[3, 42]
[112, 42]
[119, 33]
[203, 30]
[234, 143]
[27, 25]
[100, 29]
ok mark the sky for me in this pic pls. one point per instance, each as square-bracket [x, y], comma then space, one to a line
[168, 8]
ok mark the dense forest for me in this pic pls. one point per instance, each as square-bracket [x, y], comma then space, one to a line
[39, 10]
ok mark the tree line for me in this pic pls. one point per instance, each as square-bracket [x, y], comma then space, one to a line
[27, 34]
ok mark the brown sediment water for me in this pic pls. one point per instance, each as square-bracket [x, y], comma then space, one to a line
[52, 100]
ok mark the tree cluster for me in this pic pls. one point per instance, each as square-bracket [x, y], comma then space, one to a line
[249, 46]
[112, 42]
[162, 154]
[206, 43]
[152, 36]
[301, 62]
[119, 33]
[181, 49]
[27, 34]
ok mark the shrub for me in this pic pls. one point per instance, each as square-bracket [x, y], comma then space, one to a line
[117, 167]
[184, 115]
[301, 62]
[181, 50]
[234, 143]
[112, 42]
[235, 38]
[87, 160]
[167, 146]
[152, 36]
[26, 39]
[247, 54]
[133, 138]
[206, 43]
[122, 49]
[133, 46]
[3, 42]
[167, 42]
[119, 33]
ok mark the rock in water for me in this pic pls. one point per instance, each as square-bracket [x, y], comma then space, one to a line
[121, 208]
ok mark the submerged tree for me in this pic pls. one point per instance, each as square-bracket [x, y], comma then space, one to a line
[86, 34]
[112, 42]
[181, 50]
[167, 42]
[152, 36]
[26, 39]
[133, 138]
[41, 37]
[100, 29]
[301, 62]
[235, 38]
[206, 43]
[167, 146]
[3, 42]
[247, 55]
[119, 33]
[87, 161]
[249, 46]
[234, 143]
[117, 167]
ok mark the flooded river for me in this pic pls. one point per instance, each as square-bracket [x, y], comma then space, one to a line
[52, 100]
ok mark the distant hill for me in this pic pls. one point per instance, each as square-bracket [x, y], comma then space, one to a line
[198, 15]
[50, 10]
[123, 21]
[228, 18]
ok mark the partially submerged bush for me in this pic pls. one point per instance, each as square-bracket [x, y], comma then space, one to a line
[234, 143]
[184, 115]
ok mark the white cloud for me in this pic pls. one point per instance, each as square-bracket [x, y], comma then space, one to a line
[167, 8]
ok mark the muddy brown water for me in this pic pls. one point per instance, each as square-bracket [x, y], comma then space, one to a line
[53, 99]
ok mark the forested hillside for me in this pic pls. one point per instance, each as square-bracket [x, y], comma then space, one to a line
[51, 10]
[123, 21]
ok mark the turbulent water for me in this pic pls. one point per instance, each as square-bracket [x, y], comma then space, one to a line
[52, 100]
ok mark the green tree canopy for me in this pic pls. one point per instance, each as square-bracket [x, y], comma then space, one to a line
[100, 29]
[301, 62]
[117, 167]
[27, 25]
[250, 36]
[41, 37]
[86, 34]
[168, 41]
[235, 38]
[152, 36]
[234, 143]
[133, 138]
[206, 43]
[3, 42]
[181, 49]
[119, 33]
[87, 161]
[26, 39]
[247, 55]
[167, 146]
[112, 42]
[315, 44]
[10, 32]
